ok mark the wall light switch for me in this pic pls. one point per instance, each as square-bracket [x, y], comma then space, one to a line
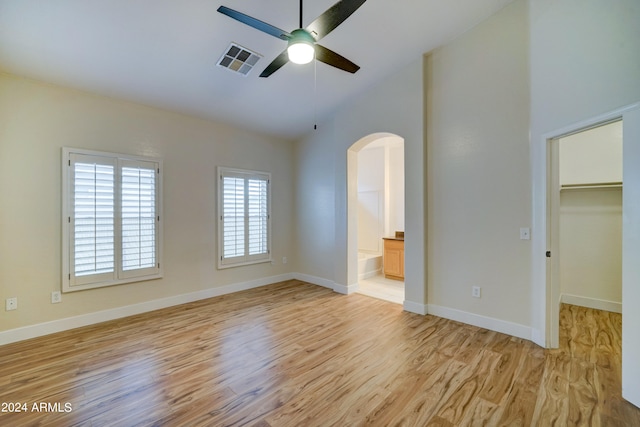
[525, 233]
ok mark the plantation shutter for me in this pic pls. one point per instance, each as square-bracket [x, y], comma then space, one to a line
[138, 192]
[233, 217]
[92, 218]
[111, 219]
[244, 217]
[258, 215]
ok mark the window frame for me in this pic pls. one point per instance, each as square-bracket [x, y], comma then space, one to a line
[246, 259]
[71, 282]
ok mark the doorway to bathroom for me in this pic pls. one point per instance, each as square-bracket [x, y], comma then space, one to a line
[376, 186]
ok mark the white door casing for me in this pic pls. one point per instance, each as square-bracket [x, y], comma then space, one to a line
[631, 256]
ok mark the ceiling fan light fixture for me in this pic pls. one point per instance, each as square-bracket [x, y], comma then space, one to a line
[301, 47]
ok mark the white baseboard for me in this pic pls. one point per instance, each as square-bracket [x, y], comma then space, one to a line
[598, 304]
[314, 280]
[46, 328]
[326, 283]
[414, 307]
[502, 326]
[32, 331]
[365, 276]
[538, 338]
[345, 289]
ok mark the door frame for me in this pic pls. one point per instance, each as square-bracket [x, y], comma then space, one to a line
[552, 210]
[352, 202]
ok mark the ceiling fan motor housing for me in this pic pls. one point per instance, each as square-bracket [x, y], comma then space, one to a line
[301, 47]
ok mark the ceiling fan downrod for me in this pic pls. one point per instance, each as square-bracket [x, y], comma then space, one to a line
[300, 14]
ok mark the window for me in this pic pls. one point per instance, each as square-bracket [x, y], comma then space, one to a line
[244, 228]
[111, 219]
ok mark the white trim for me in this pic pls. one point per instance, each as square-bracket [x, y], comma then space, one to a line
[40, 329]
[368, 274]
[33, 331]
[326, 283]
[537, 337]
[245, 175]
[595, 303]
[345, 289]
[72, 283]
[414, 307]
[497, 325]
[543, 289]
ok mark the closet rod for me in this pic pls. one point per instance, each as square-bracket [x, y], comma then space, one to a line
[591, 185]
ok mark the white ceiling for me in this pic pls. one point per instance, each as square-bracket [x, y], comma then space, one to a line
[163, 53]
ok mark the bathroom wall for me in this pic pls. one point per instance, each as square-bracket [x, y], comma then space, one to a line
[371, 199]
[395, 161]
[380, 192]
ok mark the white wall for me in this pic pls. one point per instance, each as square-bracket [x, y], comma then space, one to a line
[394, 106]
[478, 174]
[37, 120]
[315, 204]
[584, 62]
[593, 156]
[395, 167]
[591, 247]
[371, 199]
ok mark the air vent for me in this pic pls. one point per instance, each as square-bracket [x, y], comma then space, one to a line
[239, 59]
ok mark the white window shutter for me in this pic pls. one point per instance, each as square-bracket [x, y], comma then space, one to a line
[111, 219]
[138, 194]
[233, 223]
[257, 216]
[244, 226]
[92, 219]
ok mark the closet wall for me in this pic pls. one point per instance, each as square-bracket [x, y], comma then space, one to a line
[591, 218]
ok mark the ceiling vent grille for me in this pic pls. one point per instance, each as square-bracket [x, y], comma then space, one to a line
[239, 59]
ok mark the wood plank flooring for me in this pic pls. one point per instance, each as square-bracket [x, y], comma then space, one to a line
[294, 354]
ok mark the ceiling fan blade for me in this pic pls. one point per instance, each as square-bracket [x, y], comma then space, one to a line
[333, 17]
[329, 57]
[255, 23]
[276, 64]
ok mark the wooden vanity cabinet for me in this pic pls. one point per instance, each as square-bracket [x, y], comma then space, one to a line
[393, 261]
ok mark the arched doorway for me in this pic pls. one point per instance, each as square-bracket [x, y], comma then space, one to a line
[375, 209]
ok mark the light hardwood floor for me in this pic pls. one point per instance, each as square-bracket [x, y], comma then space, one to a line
[294, 354]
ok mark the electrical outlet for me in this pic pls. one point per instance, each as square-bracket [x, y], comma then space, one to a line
[475, 291]
[56, 297]
[11, 304]
[284, 260]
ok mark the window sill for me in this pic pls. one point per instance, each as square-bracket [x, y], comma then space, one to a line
[67, 287]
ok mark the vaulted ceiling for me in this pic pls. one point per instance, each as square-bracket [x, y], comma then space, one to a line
[164, 53]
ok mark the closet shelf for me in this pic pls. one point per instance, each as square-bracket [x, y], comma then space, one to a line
[591, 185]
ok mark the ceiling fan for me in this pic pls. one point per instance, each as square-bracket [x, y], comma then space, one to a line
[302, 42]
